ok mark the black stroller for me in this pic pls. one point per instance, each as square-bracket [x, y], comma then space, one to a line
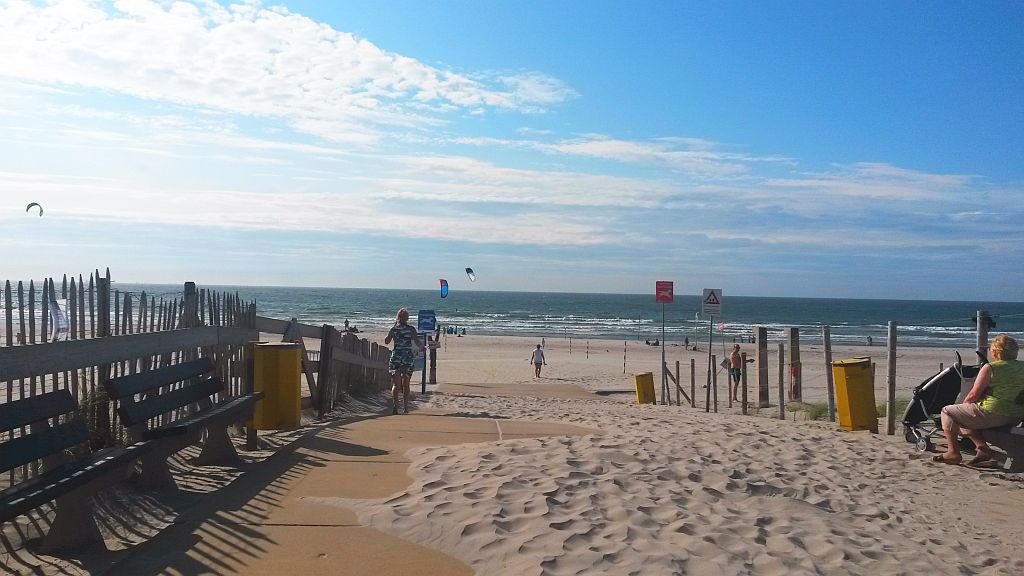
[921, 420]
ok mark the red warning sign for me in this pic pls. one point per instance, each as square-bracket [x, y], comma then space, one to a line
[663, 291]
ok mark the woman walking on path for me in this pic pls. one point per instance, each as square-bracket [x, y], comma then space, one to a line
[400, 366]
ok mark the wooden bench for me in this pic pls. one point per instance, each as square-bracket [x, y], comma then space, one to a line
[1009, 439]
[147, 397]
[67, 480]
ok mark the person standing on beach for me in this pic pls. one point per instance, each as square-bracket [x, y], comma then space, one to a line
[400, 366]
[735, 370]
[538, 360]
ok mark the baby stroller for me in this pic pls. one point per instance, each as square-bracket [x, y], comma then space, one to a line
[921, 420]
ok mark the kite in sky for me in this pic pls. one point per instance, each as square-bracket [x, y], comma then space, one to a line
[444, 288]
[471, 274]
[36, 204]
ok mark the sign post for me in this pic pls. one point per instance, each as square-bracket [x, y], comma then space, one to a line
[663, 294]
[711, 305]
[426, 322]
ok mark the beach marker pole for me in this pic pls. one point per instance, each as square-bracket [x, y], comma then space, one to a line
[693, 382]
[423, 375]
[623, 356]
[743, 381]
[664, 381]
[826, 337]
[890, 396]
[714, 381]
[782, 381]
[711, 340]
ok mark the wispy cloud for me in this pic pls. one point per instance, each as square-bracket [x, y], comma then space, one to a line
[247, 59]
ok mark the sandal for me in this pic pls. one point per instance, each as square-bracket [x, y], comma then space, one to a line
[939, 458]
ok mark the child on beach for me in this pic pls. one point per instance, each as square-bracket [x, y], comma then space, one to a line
[400, 365]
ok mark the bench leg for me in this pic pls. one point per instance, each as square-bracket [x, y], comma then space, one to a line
[218, 448]
[156, 474]
[1014, 463]
[74, 526]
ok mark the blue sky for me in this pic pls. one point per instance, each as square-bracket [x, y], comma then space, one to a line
[839, 149]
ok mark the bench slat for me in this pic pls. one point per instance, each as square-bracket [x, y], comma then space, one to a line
[35, 408]
[189, 424]
[139, 412]
[37, 445]
[130, 385]
[39, 490]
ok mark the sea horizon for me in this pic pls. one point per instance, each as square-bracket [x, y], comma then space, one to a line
[628, 316]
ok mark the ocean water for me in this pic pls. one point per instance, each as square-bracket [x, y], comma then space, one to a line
[633, 316]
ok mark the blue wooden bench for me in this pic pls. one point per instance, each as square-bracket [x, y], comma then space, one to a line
[53, 427]
[146, 398]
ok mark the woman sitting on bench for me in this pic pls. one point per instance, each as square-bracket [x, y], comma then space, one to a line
[997, 399]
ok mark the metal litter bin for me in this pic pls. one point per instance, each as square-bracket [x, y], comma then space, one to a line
[276, 372]
[855, 394]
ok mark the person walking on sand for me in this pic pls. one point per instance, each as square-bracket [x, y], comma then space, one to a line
[400, 366]
[538, 360]
[735, 370]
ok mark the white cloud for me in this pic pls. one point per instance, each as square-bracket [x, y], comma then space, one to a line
[246, 59]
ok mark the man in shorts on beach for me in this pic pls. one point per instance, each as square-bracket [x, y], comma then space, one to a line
[735, 370]
[538, 360]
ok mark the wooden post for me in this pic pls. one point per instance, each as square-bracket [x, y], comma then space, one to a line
[432, 343]
[795, 386]
[743, 382]
[761, 338]
[890, 396]
[326, 370]
[714, 380]
[693, 382]
[983, 325]
[782, 381]
[103, 331]
[826, 337]
[678, 383]
[623, 356]
[248, 385]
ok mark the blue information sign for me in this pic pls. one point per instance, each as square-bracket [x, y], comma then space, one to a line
[427, 321]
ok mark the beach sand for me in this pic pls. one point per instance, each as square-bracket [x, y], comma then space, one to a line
[499, 472]
[673, 490]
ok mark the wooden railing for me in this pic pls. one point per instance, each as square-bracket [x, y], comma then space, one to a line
[344, 363]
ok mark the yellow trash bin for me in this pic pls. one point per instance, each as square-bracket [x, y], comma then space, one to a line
[644, 388]
[277, 367]
[855, 394]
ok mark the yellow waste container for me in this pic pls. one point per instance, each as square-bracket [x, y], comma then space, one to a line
[644, 388]
[855, 394]
[276, 368]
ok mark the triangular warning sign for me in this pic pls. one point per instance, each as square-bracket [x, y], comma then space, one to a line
[712, 299]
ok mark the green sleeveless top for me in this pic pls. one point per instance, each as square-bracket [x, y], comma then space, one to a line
[1006, 391]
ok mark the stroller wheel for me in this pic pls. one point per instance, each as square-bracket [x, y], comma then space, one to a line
[924, 444]
[910, 434]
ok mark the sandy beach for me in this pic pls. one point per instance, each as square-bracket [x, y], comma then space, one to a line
[672, 490]
[497, 472]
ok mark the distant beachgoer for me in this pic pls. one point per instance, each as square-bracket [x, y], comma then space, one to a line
[735, 370]
[538, 360]
[686, 342]
[869, 340]
[997, 399]
[402, 356]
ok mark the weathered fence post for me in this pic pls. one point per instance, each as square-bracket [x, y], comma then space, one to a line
[693, 382]
[714, 379]
[890, 396]
[102, 409]
[984, 323]
[826, 337]
[761, 339]
[795, 385]
[326, 370]
[782, 381]
[743, 382]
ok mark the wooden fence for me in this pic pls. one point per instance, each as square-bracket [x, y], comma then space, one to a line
[344, 364]
[114, 333]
